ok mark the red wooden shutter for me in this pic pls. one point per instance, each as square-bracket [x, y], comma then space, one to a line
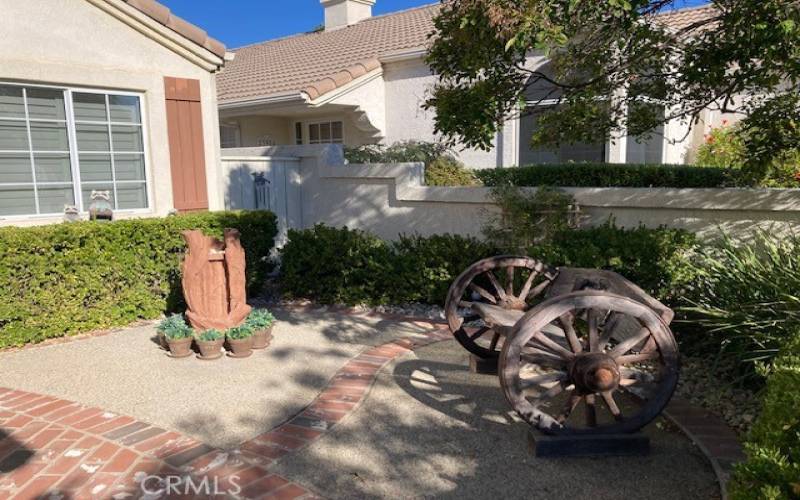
[186, 145]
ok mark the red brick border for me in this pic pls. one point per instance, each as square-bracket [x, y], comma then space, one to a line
[55, 445]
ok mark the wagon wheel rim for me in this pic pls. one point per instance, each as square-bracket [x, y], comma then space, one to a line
[546, 375]
[511, 282]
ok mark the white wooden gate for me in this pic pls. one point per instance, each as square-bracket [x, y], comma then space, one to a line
[265, 183]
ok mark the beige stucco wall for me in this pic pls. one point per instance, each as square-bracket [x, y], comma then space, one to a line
[254, 129]
[75, 43]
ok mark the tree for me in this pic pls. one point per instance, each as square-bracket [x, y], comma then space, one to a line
[617, 65]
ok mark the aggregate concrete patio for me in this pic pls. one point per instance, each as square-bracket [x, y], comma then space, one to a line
[427, 428]
[221, 403]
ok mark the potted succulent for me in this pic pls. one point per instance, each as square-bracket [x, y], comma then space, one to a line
[178, 336]
[210, 344]
[261, 322]
[240, 340]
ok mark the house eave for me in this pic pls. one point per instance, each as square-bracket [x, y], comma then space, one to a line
[280, 98]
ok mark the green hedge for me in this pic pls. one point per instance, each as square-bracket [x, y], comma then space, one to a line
[345, 266]
[609, 175]
[64, 279]
[772, 470]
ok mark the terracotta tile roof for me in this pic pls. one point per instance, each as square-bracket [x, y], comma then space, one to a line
[683, 18]
[162, 14]
[317, 63]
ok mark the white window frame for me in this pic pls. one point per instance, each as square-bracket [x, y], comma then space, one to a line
[330, 121]
[237, 132]
[73, 148]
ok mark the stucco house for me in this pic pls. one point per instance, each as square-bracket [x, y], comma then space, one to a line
[106, 95]
[362, 80]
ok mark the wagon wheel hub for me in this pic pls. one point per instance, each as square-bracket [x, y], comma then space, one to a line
[594, 372]
[511, 302]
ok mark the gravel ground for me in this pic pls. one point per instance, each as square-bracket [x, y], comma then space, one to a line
[432, 429]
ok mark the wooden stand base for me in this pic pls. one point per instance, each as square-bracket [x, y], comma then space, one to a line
[482, 366]
[544, 446]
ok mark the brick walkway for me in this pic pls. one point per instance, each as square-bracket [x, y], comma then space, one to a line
[51, 447]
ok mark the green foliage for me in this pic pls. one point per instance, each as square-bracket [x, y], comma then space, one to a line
[527, 217]
[596, 49]
[210, 336]
[447, 171]
[745, 300]
[722, 148]
[727, 147]
[239, 332]
[423, 268]
[174, 327]
[335, 266]
[441, 169]
[608, 175]
[772, 470]
[655, 259]
[259, 319]
[65, 279]
[353, 267]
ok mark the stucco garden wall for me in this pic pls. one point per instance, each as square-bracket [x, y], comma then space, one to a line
[390, 199]
[75, 43]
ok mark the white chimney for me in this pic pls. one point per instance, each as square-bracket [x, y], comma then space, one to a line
[343, 13]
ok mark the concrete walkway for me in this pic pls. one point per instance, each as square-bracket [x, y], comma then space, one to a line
[402, 419]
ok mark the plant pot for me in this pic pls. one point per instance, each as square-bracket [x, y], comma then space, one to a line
[162, 341]
[240, 348]
[180, 348]
[262, 338]
[210, 349]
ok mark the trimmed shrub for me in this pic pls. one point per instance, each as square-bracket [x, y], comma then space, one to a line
[772, 470]
[65, 279]
[609, 175]
[447, 171]
[655, 259]
[353, 267]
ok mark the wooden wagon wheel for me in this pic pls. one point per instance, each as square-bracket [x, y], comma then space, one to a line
[506, 281]
[584, 353]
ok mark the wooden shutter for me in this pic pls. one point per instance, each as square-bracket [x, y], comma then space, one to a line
[186, 145]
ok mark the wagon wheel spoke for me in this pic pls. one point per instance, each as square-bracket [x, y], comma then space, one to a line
[479, 333]
[569, 407]
[592, 321]
[496, 284]
[627, 344]
[537, 290]
[566, 322]
[495, 339]
[526, 288]
[552, 346]
[543, 358]
[608, 397]
[591, 410]
[483, 293]
[510, 281]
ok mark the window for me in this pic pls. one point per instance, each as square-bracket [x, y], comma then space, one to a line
[326, 133]
[57, 145]
[229, 135]
[565, 153]
[298, 133]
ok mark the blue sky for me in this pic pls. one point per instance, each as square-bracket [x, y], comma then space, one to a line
[242, 22]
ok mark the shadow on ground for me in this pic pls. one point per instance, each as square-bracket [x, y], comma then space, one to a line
[430, 428]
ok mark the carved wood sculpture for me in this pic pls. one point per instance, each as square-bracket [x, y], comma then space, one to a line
[214, 281]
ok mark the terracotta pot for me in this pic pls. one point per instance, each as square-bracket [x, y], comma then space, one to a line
[210, 349]
[262, 338]
[180, 348]
[240, 348]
